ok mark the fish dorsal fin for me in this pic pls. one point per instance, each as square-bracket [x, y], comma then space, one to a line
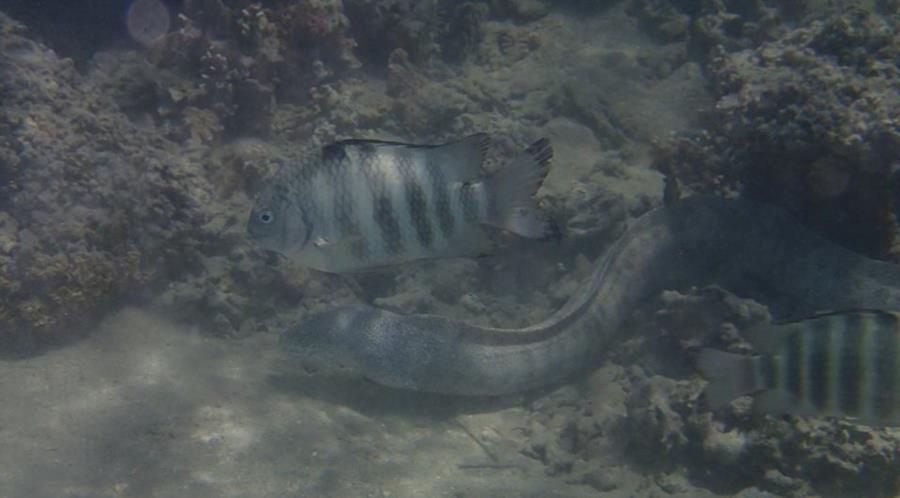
[767, 338]
[459, 161]
[462, 160]
[851, 311]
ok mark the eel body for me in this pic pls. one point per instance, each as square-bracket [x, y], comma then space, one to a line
[734, 243]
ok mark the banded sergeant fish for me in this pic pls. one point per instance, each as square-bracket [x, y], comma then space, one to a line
[362, 204]
[844, 364]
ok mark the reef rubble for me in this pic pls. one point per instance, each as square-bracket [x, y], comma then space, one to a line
[809, 121]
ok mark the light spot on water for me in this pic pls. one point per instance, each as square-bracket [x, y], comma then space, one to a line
[147, 21]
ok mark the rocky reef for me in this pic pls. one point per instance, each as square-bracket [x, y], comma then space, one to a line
[644, 405]
[808, 121]
[99, 204]
[77, 177]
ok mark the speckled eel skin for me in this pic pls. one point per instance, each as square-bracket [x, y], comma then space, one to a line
[736, 244]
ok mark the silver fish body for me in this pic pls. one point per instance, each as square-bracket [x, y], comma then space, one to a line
[844, 364]
[363, 204]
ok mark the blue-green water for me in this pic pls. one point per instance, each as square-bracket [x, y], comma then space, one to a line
[139, 323]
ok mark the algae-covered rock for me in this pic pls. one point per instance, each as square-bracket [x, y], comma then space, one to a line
[90, 198]
[727, 24]
[809, 121]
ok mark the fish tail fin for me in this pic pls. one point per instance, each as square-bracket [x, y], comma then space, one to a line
[513, 188]
[730, 375]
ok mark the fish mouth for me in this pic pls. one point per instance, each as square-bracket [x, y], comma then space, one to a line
[266, 243]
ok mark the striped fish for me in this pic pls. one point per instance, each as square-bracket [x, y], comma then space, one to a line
[843, 364]
[362, 204]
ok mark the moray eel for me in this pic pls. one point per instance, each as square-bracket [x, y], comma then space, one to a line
[734, 243]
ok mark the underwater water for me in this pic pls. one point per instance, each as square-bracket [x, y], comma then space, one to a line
[235, 261]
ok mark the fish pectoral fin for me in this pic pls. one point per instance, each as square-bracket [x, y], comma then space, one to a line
[321, 242]
[325, 242]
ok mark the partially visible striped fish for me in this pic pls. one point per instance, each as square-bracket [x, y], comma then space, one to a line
[844, 364]
[363, 204]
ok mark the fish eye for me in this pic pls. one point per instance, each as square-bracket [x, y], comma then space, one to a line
[266, 217]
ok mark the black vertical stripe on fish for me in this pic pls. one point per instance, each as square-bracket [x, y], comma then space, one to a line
[492, 209]
[851, 366]
[819, 363]
[382, 209]
[793, 365]
[418, 210]
[441, 200]
[342, 210]
[469, 202]
[349, 229]
[383, 212]
[885, 369]
[305, 217]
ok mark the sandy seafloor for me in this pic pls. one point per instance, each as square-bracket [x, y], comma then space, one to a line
[151, 405]
[148, 408]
